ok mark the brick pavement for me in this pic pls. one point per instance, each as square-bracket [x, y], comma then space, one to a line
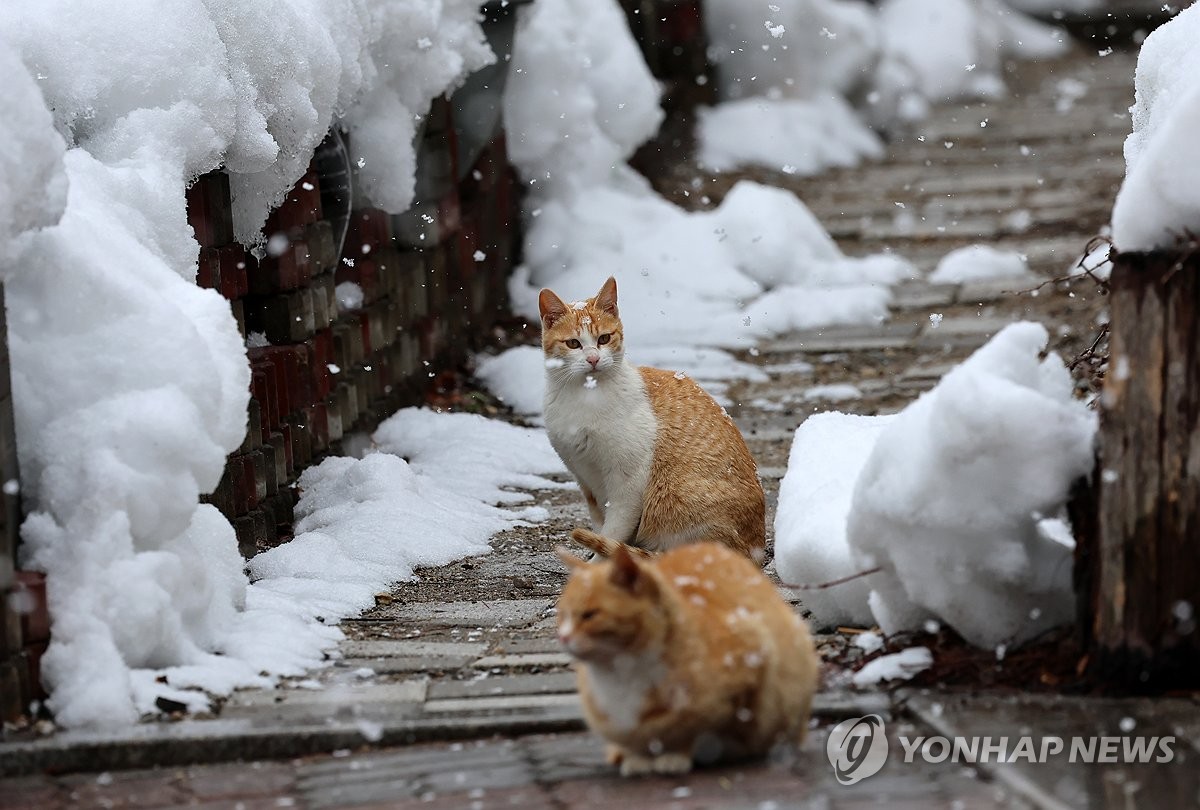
[468, 652]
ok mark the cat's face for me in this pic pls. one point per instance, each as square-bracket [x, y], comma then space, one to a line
[584, 338]
[610, 608]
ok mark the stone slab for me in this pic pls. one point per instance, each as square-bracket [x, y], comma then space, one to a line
[889, 335]
[490, 613]
[476, 706]
[982, 292]
[391, 692]
[376, 648]
[555, 659]
[920, 295]
[409, 665]
[542, 683]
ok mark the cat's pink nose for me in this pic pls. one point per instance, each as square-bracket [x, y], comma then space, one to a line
[594, 359]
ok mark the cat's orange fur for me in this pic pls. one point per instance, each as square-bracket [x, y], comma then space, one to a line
[659, 462]
[688, 656]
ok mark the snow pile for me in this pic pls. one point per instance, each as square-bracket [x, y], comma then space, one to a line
[954, 499]
[900, 666]
[130, 383]
[690, 284]
[786, 71]
[579, 97]
[794, 136]
[31, 157]
[980, 263]
[827, 456]
[515, 377]
[950, 500]
[783, 70]
[363, 524]
[1160, 197]
[934, 51]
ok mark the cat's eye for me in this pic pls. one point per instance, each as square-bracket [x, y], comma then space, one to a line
[605, 338]
[588, 614]
[573, 344]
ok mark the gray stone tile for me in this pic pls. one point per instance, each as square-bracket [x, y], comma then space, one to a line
[962, 331]
[927, 371]
[377, 648]
[889, 335]
[408, 665]
[922, 295]
[549, 659]
[542, 683]
[541, 643]
[483, 613]
[503, 703]
[982, 292]
[392, 692]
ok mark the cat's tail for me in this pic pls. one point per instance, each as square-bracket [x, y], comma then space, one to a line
[602, 545]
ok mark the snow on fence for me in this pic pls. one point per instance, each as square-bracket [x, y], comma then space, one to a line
[416, 290]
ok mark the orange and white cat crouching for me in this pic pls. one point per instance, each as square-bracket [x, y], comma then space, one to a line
[691, 656]
[660, 463]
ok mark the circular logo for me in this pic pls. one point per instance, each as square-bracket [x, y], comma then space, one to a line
[857, 748]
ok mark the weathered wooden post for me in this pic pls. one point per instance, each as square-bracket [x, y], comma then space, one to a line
[1141, 577]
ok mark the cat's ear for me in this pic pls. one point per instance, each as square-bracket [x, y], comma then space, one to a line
[627, 573]
[567, 557]
[551, 307]
[606, 299]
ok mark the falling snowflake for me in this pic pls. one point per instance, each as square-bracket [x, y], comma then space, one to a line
[775, 31]
[589, 382]
[479, 256]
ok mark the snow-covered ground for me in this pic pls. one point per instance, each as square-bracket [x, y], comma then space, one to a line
[956, 500]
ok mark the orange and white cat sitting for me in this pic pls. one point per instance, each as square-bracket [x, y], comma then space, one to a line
[659, 462]
[688, 656]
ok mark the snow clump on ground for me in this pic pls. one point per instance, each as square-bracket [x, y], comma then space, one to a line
[955, 499]
[980, 263]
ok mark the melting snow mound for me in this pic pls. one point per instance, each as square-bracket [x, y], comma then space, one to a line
[828, 453]
[950, 502]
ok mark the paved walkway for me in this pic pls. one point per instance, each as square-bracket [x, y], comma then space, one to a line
[453, 691]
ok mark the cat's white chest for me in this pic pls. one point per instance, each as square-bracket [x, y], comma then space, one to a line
[619, 691]
[604, 432]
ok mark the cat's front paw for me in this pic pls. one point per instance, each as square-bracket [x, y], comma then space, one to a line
[672, 763]
[635, 765]
[613, 754]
